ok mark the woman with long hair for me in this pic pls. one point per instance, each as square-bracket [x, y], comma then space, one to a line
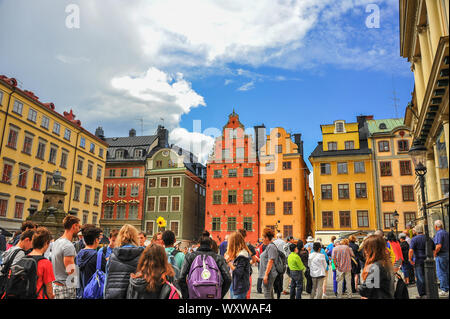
[151, 278]
[377, 276]
[122, 262]
[238, 257]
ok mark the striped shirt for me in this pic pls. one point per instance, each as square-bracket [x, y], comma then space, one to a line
[342, 255]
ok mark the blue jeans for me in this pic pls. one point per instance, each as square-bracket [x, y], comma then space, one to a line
[420, 278]
[406, 268]
[296, 284]
[442, 271]
[240, 296]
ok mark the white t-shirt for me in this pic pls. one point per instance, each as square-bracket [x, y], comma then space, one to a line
[61, 248]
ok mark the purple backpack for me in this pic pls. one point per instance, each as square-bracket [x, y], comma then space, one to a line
[204, 280]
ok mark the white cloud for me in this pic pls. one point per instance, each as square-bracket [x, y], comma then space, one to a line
[151, 96]
[199, 144]
[247, 86]
[228, 81]
[157, 86]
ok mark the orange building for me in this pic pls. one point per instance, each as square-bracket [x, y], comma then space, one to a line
[232, 200]
[285, 193]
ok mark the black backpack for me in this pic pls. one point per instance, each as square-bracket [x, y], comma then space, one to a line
[4, 273]
[280, 262]
[22, 279]
[401, 290]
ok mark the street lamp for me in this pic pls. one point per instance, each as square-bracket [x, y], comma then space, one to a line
[396, 216]
[418, 153]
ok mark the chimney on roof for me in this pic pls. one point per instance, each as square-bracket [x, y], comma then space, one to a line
[361, 119]
[132, 133]
[298, 141]
[163, 136]
[260, 138]
[100, 133]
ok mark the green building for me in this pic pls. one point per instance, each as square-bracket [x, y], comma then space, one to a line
[175, 191]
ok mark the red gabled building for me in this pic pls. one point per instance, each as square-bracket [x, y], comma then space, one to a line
[124, 183]
[232, 186]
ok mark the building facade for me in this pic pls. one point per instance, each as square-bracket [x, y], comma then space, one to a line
[343, 180]
[284, 180]
[424, 41]
[232, 187]
[124, 185]
[175, 191]
[37, 141]
[390, 141]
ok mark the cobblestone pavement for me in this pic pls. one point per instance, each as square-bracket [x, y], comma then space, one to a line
[330, 294]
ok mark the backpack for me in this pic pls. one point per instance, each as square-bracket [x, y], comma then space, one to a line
[204, 279]
[174, 292]
[280, 262]
[22, 279]
[5, 271]
[401, 290]
[172, 261]
[94, 288]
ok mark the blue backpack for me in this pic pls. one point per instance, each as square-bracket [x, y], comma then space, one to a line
[173, 262]
[94, 288]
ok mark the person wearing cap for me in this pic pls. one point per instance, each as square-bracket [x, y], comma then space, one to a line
[406, 266]
[309, 243]
[417, 256]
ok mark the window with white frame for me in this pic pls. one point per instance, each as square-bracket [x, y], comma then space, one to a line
[32, 115]
[45, 122]
[339, 127]
[56, 128]
[175, 227]
[18, 107]
[67, 134]
[149, 227]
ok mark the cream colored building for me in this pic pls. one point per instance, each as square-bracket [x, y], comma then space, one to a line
[424, 27]
[35, 142]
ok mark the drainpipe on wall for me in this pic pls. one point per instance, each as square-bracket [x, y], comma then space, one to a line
[377, 186]
[6, 118]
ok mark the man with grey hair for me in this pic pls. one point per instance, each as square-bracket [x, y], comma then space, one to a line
[417, 256]
[441, 255]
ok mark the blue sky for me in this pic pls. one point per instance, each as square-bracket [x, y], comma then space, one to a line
[295, 64]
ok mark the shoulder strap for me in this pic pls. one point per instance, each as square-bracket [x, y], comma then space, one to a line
[100, 258]
[8, 264]
[175, 252]
[43, 287]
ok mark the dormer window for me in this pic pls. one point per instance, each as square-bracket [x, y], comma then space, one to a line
[138, 152]
[382, 126]
[339, 127]
[120, 153]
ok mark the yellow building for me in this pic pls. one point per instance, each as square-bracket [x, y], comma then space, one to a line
[285, 195]
[390, 141]
[37, 141]
[424, 41]
[343, 180]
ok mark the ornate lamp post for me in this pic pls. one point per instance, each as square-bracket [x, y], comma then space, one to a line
[418, 153]
[395, 223]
